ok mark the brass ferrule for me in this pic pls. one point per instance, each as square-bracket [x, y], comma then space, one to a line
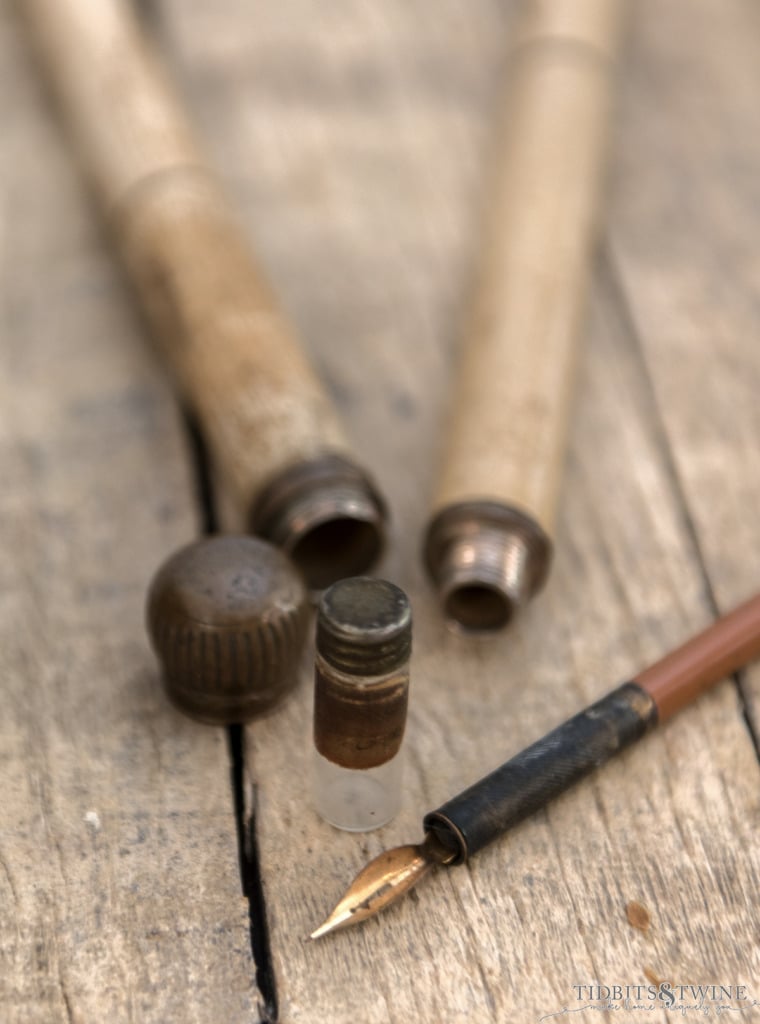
[327, 515]
[486, 560]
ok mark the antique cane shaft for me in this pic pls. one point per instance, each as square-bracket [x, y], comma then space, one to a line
[544, 770]
[275, 438]
[488, 544]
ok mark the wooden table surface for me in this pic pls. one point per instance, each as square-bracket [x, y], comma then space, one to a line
[354, 138]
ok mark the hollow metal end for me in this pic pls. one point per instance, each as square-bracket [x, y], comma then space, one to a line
[486, 560]
[444, 840]
[327, 515]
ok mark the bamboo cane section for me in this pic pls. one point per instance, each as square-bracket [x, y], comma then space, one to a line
[276, 440]
[489, 541]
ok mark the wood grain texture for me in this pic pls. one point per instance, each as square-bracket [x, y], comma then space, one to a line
[367, 133]
[119, 884]
[213, 314]
[354, 140]
[684, 246]
[516, 375]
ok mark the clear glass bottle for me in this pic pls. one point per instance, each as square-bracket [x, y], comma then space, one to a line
[364, 640]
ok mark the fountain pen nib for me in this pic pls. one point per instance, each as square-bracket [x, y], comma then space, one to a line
[384, 880]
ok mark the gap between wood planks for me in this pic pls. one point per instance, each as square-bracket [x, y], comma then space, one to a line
[609, 279]
[248, 857]
[250, 871]
[149, 12]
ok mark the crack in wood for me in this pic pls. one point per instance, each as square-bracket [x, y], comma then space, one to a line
[746, 710]
[66, 1001]
[250, 872]
[612, 282]
[248, 859]
[7, 873]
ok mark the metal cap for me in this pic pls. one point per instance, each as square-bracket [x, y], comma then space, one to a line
[364, 626]
[227, 617]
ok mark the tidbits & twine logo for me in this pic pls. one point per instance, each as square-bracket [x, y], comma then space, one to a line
[684, 1000]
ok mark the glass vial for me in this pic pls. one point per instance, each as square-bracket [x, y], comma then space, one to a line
[364, 640]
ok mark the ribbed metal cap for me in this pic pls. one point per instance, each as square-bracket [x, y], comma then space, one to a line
[364, 626]
[227, 616]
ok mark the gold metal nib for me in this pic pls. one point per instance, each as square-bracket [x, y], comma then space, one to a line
[383, 881]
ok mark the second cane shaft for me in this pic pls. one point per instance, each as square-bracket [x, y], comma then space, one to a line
[275, 438]
[489, 542]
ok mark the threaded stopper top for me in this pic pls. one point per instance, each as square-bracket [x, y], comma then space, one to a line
[364, 626]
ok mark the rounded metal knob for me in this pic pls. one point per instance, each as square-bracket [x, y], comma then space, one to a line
[227, 617]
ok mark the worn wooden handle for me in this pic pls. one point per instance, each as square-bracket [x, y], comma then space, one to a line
[507, 433]
[215, 318]
[489, 540]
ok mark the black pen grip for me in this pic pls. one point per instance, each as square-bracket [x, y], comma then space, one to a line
[542, 771]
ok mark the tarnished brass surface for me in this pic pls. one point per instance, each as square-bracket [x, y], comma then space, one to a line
[327, 514]
[486, 559]
[227, 617]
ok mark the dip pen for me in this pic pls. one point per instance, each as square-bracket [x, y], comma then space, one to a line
[548, 767]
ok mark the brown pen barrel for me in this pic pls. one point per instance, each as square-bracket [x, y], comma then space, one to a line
[489, 540]
[687, 672]
[276, 440]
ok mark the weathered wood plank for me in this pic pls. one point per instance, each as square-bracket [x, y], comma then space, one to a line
[355, 142]
[684, 241]
[545, 909]
[119, 882]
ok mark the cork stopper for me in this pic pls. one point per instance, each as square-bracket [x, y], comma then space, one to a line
[227, 617]
[364, 639]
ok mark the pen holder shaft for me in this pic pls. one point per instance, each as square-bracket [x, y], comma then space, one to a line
[506, 438]
[214, 317]
[542, 771]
